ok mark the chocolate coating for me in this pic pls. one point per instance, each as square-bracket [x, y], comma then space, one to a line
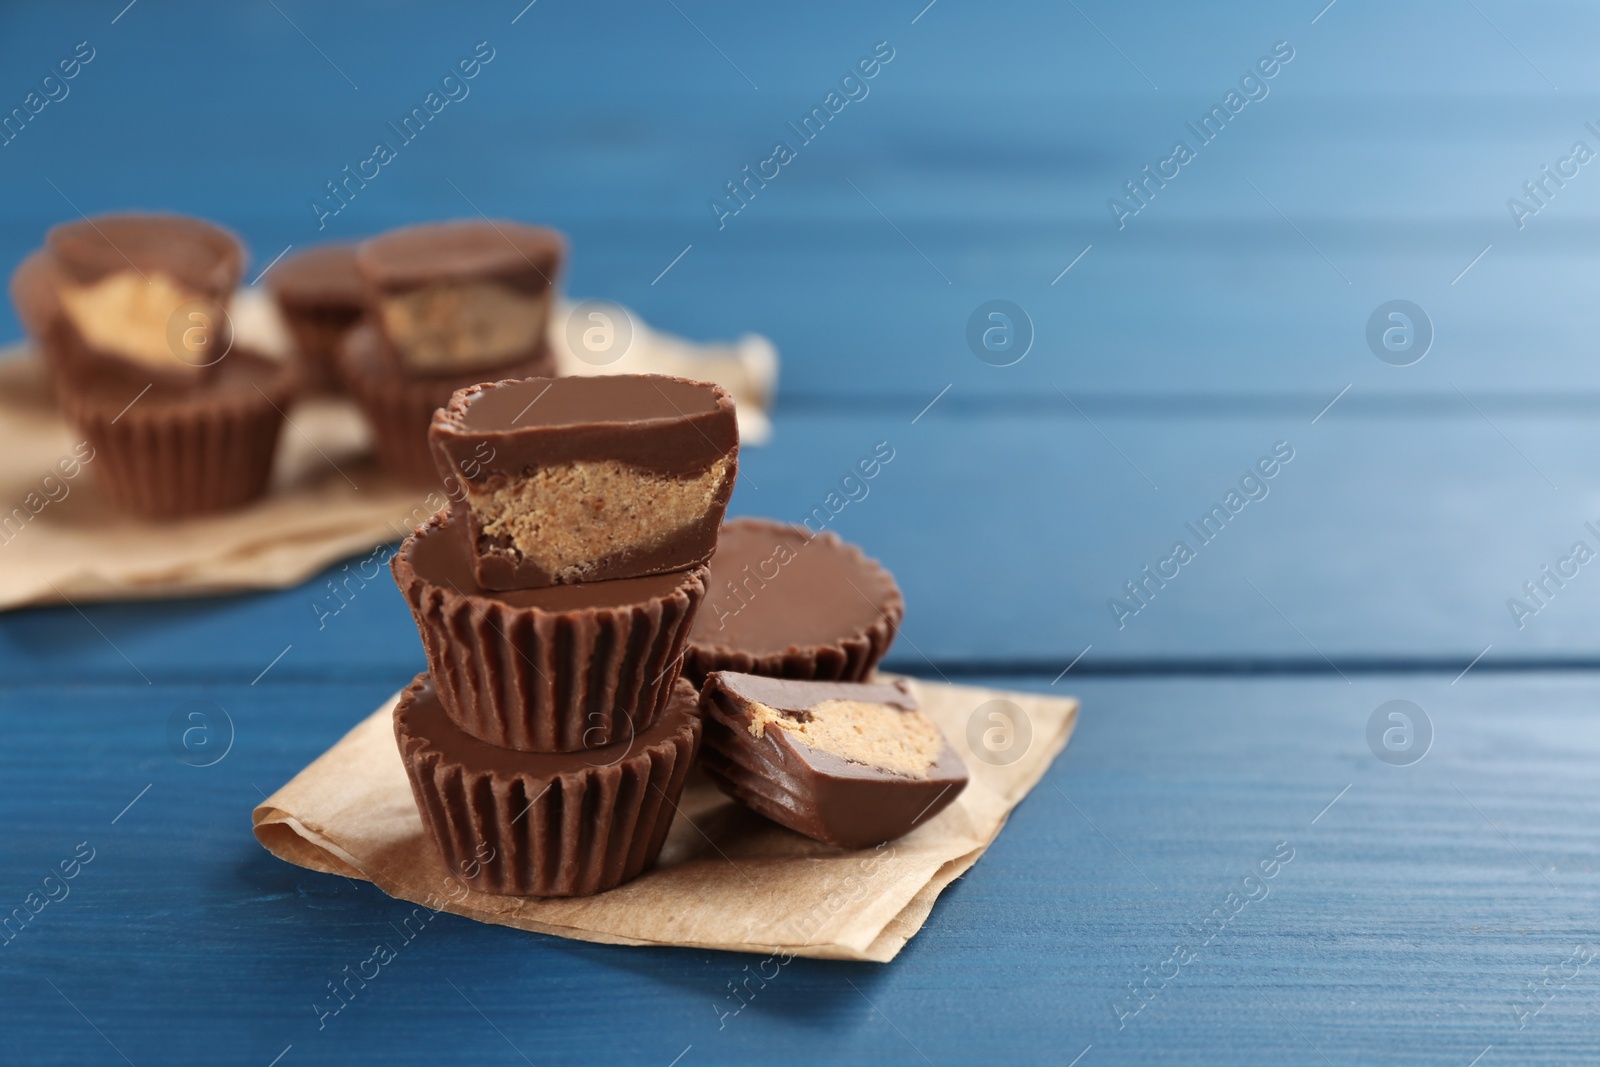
[33, 293]
[671, 428]
[398, 407]
[550, 670]
[515, 253]
[164, 451]
[545, 825]
[783, 603]
[320, 297]
[194, 252]
[824, 796]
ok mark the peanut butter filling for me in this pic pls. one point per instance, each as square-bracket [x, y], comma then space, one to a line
[125, 314]
[567, 518]
[451, 326]
[875, 734]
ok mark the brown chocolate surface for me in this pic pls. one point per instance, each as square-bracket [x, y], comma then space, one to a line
[825, 796]
[784, 603]
[515, 253]
[653, 434]
[196, 253]
[321, 277]
[167, 452]
[551, 670]
[545, 825]
[33, 293]
[440, 556]
[398, 407]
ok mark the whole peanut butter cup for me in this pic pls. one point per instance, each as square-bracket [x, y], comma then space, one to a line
[784, 603]
[320, 296]
[555, 669]
[545, 825]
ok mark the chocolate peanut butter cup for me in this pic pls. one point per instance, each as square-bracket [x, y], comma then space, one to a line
[527, 824]
[33, 294]
[398, 407]
[320, 296]
[146, 291]
[557, 669]
[784, 603]
[588, 478]
[167, 452]
[465, 296]
[845, 763]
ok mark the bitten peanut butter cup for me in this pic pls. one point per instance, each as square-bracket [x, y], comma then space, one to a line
[466, 296]
[545, 825]
[320, 296]
[397, 407]
[557, 669]
[147, 291]
[589, 478]
[844, 763]
[168, 452]
[784, 603]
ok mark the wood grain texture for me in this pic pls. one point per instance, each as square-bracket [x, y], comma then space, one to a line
[1402, 930]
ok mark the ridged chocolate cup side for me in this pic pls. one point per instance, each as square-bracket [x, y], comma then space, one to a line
[850, 657]
[399, 408]
[547, 681]
[544, 825]
[173, 455]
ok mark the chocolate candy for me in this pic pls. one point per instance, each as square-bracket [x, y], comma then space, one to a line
[587, 479]
[454, 297]
[845, 763]
[149, 291]
[551, 669]
[784, 603]
[165, 451]
[399, 407]
[321, 296]
[545, 825]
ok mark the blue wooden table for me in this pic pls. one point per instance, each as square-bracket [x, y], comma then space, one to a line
[1430, 900]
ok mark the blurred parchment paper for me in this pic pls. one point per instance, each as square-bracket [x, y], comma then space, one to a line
[61, 541]
[727, 878]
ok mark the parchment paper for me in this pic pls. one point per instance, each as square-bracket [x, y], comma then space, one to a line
[727, 878]
[328, 500]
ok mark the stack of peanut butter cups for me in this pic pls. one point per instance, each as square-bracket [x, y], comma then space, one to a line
[550, 739]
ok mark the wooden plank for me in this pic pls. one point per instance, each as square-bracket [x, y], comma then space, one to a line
[1476, 860]
[1388, 539]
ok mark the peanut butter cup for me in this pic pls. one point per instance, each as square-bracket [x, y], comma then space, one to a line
[462, 297]
[589, 478]
[148, 292]
[785, 603]
[528, 824]
[555, 669]
[399, 407]
[844, 763]
[321, 296]
[165, 451]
